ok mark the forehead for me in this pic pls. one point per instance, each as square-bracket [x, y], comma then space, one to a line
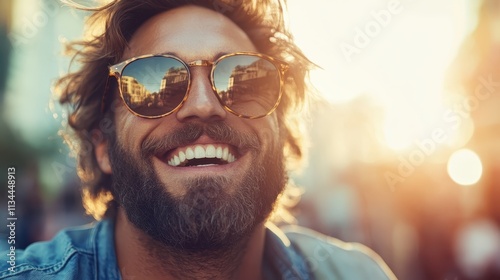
[191, 32]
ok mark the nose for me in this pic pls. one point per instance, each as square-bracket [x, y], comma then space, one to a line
[201, 103]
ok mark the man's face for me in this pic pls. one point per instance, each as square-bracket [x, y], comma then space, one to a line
[206, 203]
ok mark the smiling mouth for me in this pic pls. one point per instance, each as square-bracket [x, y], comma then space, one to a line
[202, 155]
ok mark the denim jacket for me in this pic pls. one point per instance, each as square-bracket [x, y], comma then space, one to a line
[88, 252]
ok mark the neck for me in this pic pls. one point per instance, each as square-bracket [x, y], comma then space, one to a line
[140, 256]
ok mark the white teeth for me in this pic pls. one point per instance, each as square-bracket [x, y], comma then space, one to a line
[199, 152]
[210, 152]
[202, 151]
[189, 153]
[218, 152]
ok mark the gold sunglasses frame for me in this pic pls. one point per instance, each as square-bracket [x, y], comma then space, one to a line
[116, 71]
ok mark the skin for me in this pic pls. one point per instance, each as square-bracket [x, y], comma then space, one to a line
[192, 33]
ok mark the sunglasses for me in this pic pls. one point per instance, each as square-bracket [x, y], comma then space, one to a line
[248, 85]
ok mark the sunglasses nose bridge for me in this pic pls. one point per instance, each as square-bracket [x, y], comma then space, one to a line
[204, 63]
[200, 62]
[201, 101]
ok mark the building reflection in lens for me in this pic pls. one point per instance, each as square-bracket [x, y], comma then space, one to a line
[171, 91]
[255, 82]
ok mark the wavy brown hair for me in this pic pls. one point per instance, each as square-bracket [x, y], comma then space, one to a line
[109, 29]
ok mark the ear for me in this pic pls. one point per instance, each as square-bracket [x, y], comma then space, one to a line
[101, 152]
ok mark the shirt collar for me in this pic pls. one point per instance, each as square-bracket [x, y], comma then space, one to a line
[281, 258]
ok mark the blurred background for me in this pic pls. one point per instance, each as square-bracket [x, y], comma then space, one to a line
[404, 152]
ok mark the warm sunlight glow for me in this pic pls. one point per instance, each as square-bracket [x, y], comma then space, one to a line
[398, 54]
[398, 132]
[461, 136]
[465, 167]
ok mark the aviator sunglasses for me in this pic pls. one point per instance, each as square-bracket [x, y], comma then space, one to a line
[246, 84]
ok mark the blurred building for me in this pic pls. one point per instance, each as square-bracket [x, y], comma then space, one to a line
[30, 46]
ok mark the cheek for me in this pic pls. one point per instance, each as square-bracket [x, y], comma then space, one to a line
[269, 133]
[130, 130]
[123, 125]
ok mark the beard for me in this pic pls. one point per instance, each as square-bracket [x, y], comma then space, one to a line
[207, 217]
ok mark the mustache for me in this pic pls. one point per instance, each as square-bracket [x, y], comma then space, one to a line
[190, 132]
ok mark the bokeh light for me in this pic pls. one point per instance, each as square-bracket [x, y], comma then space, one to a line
[465, 167]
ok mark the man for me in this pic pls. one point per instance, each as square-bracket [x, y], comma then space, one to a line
[183, 120]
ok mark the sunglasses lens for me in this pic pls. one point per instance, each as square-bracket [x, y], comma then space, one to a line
[154, 86]
[248, 85]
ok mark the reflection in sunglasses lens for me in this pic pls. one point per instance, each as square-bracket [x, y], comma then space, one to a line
[248, 85]
[154, 86]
